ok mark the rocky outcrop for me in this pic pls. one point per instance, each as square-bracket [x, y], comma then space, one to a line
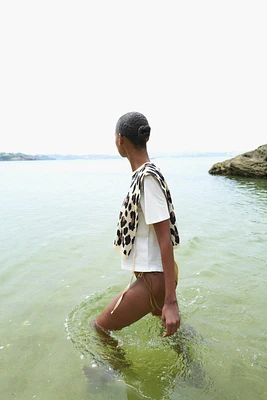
[252, 163]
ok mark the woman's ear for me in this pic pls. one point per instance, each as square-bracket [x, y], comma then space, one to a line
[120, 139]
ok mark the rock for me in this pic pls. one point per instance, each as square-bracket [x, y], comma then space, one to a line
[252, 164]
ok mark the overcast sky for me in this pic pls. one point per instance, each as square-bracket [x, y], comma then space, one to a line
[70, 69]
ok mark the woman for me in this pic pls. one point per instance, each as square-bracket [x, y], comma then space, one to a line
[146, 237]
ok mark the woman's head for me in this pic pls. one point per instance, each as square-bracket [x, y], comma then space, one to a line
[135, 127]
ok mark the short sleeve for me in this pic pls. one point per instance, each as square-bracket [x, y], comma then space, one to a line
[153, 201]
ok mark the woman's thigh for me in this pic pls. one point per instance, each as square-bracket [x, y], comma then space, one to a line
[134, 305]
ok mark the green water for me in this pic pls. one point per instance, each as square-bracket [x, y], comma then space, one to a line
[138, 355]
[58, 268]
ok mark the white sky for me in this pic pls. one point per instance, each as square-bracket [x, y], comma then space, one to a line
[70, 69]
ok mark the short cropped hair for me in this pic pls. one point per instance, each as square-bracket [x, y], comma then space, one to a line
[135, 127]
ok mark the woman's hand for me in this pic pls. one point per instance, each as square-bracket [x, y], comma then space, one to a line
[170, 318]
[170, 313]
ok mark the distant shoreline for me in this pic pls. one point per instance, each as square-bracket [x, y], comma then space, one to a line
[51, 157]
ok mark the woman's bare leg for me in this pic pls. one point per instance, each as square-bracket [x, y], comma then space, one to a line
[134, 305]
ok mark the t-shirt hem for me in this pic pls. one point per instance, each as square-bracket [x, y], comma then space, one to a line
[140, 269]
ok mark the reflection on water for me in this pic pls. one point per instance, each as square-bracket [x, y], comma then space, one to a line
[257, 186]
[137, 355]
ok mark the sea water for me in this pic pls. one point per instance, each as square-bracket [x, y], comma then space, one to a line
[58, 269]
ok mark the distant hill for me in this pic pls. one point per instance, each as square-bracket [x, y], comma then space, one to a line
[22, 157]
[38, 157]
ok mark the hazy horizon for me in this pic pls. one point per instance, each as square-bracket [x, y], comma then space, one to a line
[118, 155]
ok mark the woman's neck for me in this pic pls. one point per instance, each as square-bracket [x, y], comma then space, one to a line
[138, 159]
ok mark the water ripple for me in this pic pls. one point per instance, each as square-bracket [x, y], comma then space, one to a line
[138, 354]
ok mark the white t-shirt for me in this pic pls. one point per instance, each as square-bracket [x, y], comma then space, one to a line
[145, 255]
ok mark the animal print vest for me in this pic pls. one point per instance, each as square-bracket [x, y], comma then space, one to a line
[128, 217]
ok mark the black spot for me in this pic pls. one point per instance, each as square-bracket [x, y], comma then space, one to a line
[174, 232]
[123, 222]
[172, 217]
[132, 223]
[169, 197]
[127, 239]
[126, 201]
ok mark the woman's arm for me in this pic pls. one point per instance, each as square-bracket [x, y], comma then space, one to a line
[170, 312]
